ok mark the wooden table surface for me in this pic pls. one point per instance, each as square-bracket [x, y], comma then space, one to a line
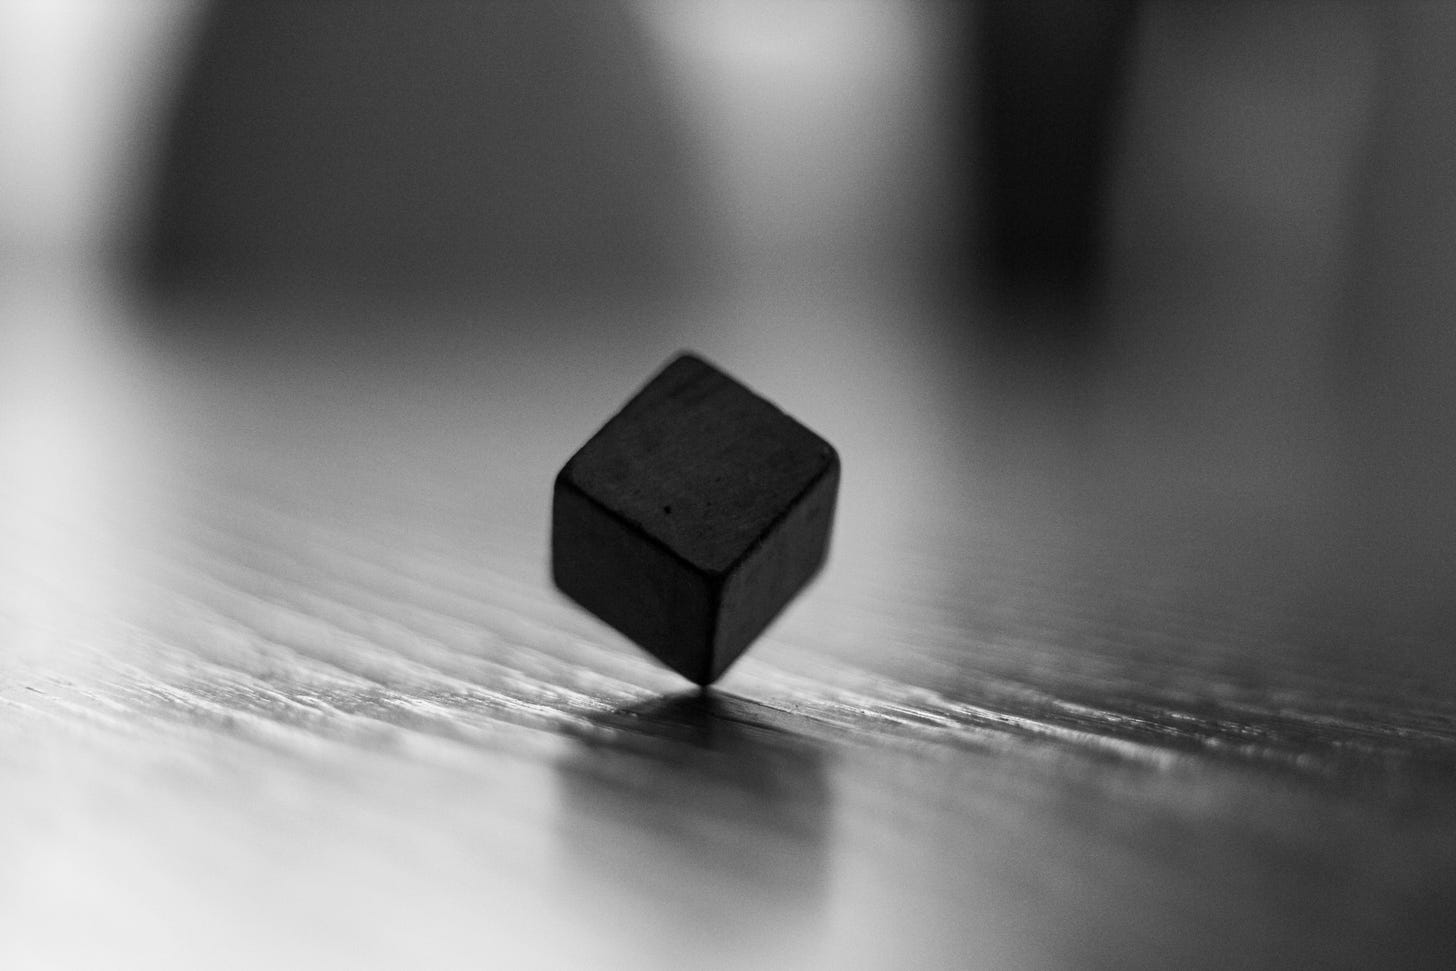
[284, 681]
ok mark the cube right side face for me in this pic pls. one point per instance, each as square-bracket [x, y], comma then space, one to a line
[772, 574]
[632, 581]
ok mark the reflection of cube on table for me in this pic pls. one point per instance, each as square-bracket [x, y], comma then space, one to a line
[693, 517]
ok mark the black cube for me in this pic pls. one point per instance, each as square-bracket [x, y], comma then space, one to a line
[693, 517]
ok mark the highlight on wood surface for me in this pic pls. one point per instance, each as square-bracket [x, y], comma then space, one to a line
[693, 517]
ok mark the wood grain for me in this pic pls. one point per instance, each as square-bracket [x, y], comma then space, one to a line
[286, 680]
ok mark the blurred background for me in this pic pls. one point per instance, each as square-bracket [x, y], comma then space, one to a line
[1214, 234]
[1108, 306]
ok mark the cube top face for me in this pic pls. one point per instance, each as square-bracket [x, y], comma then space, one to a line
[701, 464]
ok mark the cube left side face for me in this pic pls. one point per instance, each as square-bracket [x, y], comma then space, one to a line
[632, 582]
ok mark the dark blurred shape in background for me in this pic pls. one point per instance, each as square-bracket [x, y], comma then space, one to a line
[1050, 84]
[423, 147]
[439, 147]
